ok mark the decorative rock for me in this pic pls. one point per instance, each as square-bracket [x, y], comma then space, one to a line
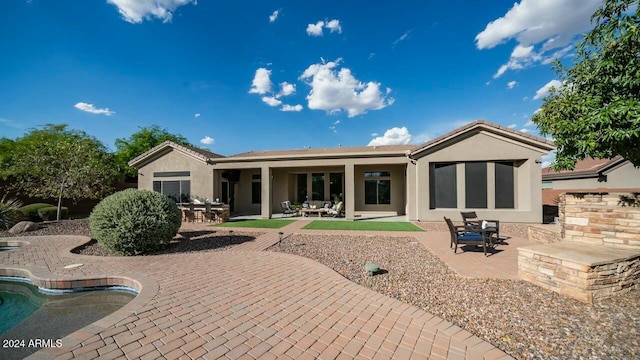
[23, 226]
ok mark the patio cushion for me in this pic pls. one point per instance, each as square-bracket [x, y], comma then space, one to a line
[470, 236]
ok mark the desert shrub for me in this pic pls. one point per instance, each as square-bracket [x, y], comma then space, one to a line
[30, 211]
[9, 212]
[51, 213]
[133, 222]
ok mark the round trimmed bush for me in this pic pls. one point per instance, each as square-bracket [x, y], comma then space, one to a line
[50, 213]
[134, 222]
[31, 211]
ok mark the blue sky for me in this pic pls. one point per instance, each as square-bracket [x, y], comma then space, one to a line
[222, 73]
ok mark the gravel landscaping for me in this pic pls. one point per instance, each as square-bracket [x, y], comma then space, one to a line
[186, 241]
[520, 318]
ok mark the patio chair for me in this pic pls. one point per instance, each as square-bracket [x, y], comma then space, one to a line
[460, 235]
[288, 209]
[471, 220]
[337, 210]
[208, 214]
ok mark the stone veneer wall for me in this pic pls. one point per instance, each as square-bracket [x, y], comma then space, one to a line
[569, 277]
[605, 218]
[547, 235]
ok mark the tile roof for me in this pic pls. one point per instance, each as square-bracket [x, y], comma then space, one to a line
[584, 168]
[547, 144]
[337, 151]
[588, 166]
[201, 154]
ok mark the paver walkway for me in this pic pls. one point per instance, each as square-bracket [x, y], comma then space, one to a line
[241, 304]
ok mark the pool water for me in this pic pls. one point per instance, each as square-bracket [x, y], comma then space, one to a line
[28, 314]
[17, 302]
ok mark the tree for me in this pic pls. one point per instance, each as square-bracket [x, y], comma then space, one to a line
[596, 112]
[139, 143]
[54, 162]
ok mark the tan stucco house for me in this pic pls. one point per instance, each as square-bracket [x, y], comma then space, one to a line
[591, 175]
[484, 167]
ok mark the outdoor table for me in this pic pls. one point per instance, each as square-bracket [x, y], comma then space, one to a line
[306, 211]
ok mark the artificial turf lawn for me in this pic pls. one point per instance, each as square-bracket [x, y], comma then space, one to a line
[257, 223]
[362, 225]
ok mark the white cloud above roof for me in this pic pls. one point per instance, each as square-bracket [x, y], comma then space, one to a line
[261, 82]
[207, 140]
[136, 11]
[393, 136]
[286, 89]
[512, 84]
[544, 91]
[271, 101]
[274, 16]
[315, 29]
[401, 38]
[334, 89]
[288, 108]
[546, 24]
[334, 26]
[92, 109]
[197, 115]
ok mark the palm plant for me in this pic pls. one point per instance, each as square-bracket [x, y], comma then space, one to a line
[8, 212]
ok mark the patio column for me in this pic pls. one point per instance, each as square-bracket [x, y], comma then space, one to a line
[349, 192]
[265, 200]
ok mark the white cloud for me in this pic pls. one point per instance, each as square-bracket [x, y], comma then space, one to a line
[197, 115]
[274, 16]
[374, 134]
[545, 24]
[333, 128]
[287, 107]
[334, 89]
[315, 29]
[334, 26]
[401, 38]
[512, 126]
[530, 122]
[512, 84]
[92, 109]
[521, 51]
[207, 140]
[544, 91]
[261, 82]
[336, 122]
[136, 11]
[286, 89]
[11, 123]
[271, 101]
[524, 130]
[393, 136]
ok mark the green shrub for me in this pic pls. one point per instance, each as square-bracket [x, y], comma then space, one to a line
[51, 213]
[9, 212]
[30, 211]
[133, 222]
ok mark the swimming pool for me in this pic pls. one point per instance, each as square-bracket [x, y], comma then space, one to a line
[29, 316]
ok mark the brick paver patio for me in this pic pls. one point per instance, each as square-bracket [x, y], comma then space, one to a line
[244, 303]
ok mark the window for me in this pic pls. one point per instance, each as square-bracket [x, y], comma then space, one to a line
[317, 186]
[256, 189]
[475, 182]
[505, 185]
[377, 188]
[335, 186]
[225, 192]
[171, 173]
[443, 186]
[301, 187]
[176, 190]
